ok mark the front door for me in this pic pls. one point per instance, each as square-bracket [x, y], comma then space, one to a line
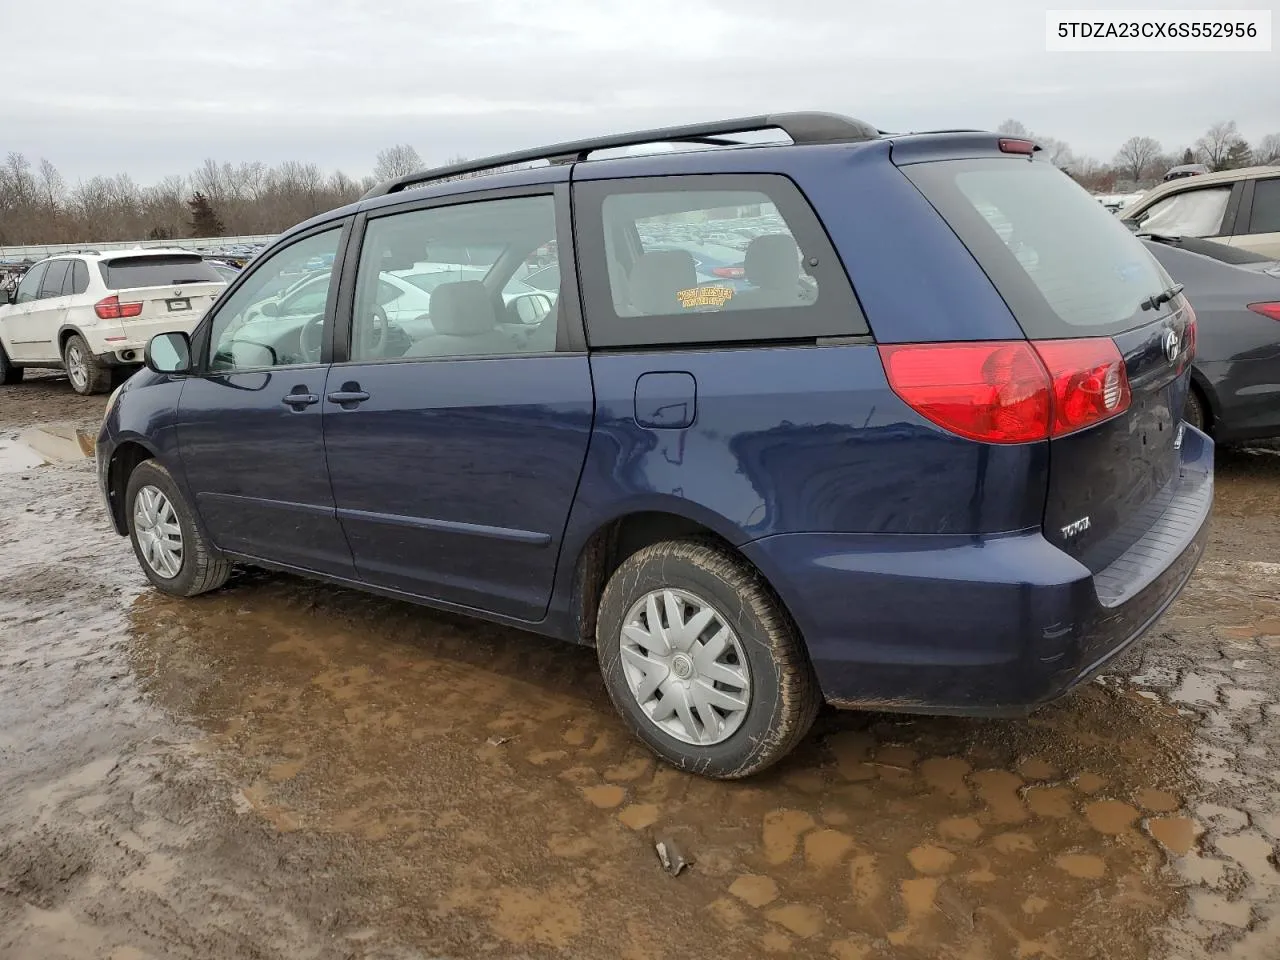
[250, 425]
[455, 443]
[25, 324]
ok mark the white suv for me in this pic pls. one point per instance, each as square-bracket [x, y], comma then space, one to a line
[91, 313]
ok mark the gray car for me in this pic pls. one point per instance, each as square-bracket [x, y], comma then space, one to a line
[1235, 393]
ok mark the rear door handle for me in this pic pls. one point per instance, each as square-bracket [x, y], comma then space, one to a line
[348, 398]
[299, 399]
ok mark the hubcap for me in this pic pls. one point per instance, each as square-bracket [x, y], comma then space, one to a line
[75, 366]
[155, 524]
[685, 666]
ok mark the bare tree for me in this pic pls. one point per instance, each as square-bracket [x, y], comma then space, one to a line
[1212, 148]
[397, 161]
[52, 186]
[1268, 150]
[1013, 128]
[1136, 156]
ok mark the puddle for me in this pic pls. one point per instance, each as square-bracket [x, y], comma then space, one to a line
[49, 443]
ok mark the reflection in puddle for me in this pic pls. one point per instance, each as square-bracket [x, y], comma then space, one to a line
[490, 767]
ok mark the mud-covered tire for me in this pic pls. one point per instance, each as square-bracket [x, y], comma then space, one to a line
[1194, 412]
[88, 374]
[9, 374]
[783, 697]
[201, 568]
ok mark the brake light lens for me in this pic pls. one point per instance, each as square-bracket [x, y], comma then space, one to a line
[1271, 310]
[1089, 382]
[1025, 147]
[994, 392]
[111, 308]
[731, 273]
[1011, 391]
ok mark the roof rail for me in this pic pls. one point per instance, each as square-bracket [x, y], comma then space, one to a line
[800, 127]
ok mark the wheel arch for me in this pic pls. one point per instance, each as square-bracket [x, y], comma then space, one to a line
[125, 458]
[620, 537]
[1208, 399]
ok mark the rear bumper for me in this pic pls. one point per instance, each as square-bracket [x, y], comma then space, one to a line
[126, 343]
[988, 626]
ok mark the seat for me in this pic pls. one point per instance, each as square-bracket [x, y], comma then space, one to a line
[465, 322]
[656, 279]
[772, 266]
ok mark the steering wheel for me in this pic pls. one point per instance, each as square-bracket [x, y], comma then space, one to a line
[374, 334]
[311, 339]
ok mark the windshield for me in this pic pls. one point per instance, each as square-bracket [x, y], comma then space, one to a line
[1065, 266]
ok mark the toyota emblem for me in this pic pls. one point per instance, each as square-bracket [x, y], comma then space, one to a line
[1171, 344]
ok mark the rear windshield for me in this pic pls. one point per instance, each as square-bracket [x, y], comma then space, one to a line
[128, 273]
[1065, 265]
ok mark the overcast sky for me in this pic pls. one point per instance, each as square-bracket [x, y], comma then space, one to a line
[152, 87]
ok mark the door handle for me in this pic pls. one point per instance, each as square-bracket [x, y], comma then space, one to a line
[349, 397]
[299, 398]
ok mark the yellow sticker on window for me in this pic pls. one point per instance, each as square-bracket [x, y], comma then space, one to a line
[704, 297]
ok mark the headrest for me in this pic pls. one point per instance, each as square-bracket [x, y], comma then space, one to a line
[773, 261]
[462, 309]
[656, 278]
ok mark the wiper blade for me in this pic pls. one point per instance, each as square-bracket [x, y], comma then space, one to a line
[1154, 301]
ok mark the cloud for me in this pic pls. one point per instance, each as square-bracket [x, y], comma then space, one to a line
[153, 87]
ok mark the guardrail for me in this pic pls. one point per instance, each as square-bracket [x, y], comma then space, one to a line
[38, 251]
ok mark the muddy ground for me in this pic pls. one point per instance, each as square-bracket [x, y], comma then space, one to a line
[285, 770]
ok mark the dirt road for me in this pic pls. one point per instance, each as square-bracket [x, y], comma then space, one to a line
[284, 770]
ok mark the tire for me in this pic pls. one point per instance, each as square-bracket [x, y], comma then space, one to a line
[88, 374]
[198, 568]
[781, 694]
[9, 374]
[1193, 412]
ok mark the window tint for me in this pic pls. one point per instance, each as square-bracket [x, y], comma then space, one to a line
[53, 279]
[1065, 266]
[438, 282]
[707, 259]
[128, 273]
[1265, 216]
[1193, 213]
[29, 288]
[79, 277]
[255, 328]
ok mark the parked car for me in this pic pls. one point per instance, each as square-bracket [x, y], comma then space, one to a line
[964, 489]
[92, 314]
[225, 270]
[1235, 380]
[1240, 208]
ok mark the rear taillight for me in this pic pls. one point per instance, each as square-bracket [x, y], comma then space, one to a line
[730, 273]
[994, 392]
[1010, 391]
[112, 309]
[1089, 380]
[1271, 310]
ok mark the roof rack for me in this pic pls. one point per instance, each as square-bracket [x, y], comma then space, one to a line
[800, 127]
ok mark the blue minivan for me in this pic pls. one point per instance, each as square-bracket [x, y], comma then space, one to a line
[928, 458]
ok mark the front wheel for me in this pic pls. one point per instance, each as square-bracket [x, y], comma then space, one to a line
[702, 661]
[173, 554]
[88, 374]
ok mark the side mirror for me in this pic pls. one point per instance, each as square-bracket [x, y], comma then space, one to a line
[169, 353]
[269, 309]
[530, 309]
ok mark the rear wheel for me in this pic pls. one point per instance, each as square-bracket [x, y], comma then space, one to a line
[702, 661]
[9, 374]
[1194, 412]
[88, 374]
[173, 554]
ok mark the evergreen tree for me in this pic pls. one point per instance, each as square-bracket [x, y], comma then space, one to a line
[204, 219]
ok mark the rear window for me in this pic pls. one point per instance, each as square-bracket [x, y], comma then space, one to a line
[1064, 265]
[128, 273]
